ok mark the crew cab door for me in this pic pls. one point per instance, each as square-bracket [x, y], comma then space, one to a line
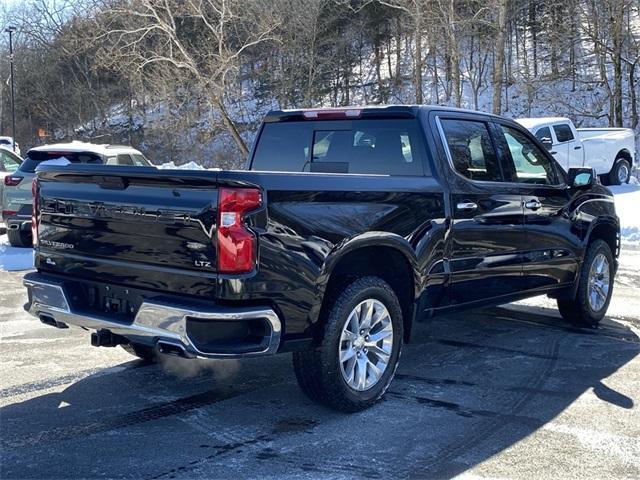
[567, 145]
[487, 231]
[549, 251]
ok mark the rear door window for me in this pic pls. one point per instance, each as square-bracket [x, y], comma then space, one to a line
[139, 160]
[8, 163]
[384, 147]
[563, 133]
[471, 149]
[34, 158]
[124, 159]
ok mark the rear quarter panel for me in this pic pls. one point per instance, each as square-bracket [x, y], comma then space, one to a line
[603, 146]
[314, 220]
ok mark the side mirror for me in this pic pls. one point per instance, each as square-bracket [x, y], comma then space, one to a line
[581, 177]
[547, 142]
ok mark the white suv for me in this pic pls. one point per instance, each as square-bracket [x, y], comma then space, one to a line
[16, 210]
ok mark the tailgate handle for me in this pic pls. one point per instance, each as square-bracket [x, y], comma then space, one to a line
[111, 183]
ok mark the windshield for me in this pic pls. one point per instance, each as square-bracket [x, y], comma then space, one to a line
[34, 158]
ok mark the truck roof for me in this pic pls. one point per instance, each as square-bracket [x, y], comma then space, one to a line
[531, 123]
[352, 112]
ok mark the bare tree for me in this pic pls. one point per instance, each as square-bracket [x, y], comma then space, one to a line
[202, 42]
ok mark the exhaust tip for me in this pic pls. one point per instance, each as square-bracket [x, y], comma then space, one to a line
[172, 349]
[49, 320]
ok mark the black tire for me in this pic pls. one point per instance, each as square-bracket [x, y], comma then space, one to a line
[318, 371]
[578, 310]
[144, 352]
[618, 170]
[20, 238]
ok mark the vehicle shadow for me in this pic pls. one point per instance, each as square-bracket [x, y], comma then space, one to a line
[469, 386]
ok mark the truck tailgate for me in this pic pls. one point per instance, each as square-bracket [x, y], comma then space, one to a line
[141, 226]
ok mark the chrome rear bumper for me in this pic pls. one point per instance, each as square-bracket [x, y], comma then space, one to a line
[156, 323]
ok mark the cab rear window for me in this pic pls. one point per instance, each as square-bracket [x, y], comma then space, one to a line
[34, 158]
[351, 146]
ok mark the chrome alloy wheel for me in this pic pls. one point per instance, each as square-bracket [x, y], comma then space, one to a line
[598, 282]
[623, 174]
[365, 344]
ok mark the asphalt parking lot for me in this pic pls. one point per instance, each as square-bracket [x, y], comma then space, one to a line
[505, 392]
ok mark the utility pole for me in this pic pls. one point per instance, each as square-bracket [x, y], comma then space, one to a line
[10, 31]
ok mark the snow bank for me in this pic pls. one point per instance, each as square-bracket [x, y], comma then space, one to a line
[187, 166]
[627, 198]
[12, 258]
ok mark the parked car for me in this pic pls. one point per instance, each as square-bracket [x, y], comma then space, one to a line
[403, 213]
[610, 151]
[17, 201]
[9, 163]
[7, 142]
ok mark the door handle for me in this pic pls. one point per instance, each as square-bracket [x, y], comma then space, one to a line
[533, 204]
[467, 206]
[553, 152]
[577, 148]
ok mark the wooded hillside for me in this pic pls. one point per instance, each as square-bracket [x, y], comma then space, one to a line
[190, 79]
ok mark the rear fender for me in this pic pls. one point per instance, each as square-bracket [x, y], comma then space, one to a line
[350, 245]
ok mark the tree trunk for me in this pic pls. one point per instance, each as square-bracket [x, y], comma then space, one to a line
[398, 51]
[617, 17]
[498, 61]
[632, 94]
[533, 26]
[417, 74]
[231, 127]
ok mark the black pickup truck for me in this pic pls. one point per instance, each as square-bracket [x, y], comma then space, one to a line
[348, 226]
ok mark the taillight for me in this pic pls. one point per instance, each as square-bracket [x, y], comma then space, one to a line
[12, 180]
[8, 213]
[35, 211]
[237, 245]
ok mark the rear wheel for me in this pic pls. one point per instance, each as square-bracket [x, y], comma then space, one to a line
[144, 352]
[19, 238]
[358, 356]
[595, 286]
[620, 172]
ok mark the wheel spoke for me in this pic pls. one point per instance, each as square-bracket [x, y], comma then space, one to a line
[380, 353]
[594, 299]
[349, 370]
[379, 316]
[366, 315]
[375, 372]
[361, 372]
[354, 322]
[347, 353]
[380, 335]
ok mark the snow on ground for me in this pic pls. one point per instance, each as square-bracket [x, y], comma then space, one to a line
[187, 166]
[12, 258]
[627, 198]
